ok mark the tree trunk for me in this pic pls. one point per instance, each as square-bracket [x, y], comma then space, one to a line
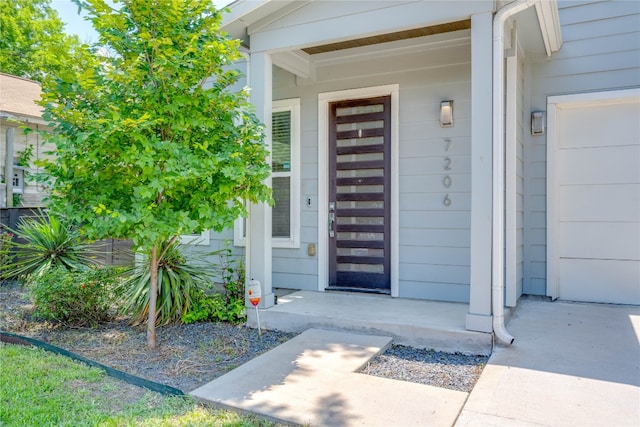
[153, 298]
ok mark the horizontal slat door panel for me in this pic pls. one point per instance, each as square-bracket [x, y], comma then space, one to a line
[370, 164]
[360, 260]
[359, 194]
[369, 197]
[361, 228]
[360, 212]
[357, 244]
[363, 280]
[359, 118]
[360, 133]
[359, 149]
[367, 180]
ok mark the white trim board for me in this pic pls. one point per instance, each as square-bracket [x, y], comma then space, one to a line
[239, 233]
[554, 104]
[324, 99]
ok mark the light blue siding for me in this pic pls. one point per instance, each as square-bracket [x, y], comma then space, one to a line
[601, 51]
[434, 239]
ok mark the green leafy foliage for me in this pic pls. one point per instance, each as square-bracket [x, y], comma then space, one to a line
[214, 308]
[32, 40]
[151, 140]
[228, 306]
[178, 279]
[232, 273]
[6, 254]
[24, 156]
[42, 243]
[78, 298]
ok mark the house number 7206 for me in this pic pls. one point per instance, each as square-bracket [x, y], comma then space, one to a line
[446, 182]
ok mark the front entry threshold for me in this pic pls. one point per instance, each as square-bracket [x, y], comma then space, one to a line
[417, 323]
[360, 290]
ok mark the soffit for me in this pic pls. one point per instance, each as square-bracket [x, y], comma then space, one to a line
[391, 37]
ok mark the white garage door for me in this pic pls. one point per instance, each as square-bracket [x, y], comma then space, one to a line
[593, 212]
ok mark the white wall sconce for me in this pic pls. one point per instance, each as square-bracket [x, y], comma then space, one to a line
[446, 114]
[537, 123]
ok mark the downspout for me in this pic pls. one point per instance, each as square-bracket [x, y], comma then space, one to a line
[497, 247]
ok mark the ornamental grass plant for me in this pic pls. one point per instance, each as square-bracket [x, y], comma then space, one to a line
[42, 243]
[178, 280]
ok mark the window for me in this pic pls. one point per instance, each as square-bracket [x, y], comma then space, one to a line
[18, 180]
[285, 177]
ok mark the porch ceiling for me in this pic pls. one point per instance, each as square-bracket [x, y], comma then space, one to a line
[390, 37]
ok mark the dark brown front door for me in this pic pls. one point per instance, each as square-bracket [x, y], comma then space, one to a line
[359, 194]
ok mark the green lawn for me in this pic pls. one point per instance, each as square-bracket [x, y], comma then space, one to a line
[38, 388]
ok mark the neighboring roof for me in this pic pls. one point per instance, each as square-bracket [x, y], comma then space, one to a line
[18, 97]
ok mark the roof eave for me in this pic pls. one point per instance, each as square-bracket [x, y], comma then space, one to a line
[10, 116]
[549, 20]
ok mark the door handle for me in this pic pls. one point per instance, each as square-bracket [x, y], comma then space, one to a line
[332, 219]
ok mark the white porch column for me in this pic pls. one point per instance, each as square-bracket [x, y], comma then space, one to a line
[259, 222]
[479, 316]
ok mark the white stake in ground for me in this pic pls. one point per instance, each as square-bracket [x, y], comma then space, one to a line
[254, 291]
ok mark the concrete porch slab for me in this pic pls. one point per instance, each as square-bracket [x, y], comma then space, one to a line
[571, 364]
[417, 323]
[311, 380]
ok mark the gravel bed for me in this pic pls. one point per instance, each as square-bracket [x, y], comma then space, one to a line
[454, 371]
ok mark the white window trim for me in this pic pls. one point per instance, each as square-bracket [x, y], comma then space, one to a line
[193, 239]
[239, 239]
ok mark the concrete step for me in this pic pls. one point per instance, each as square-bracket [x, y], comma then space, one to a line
[417, 323]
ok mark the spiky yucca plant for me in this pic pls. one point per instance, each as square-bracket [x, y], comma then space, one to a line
[177, 278]
[43, 243]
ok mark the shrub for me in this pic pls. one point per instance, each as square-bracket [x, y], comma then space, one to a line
[43, 243]
[79, 298]
[6, 255]
[228, 306]
[214, 307]
[232, 274]
[178, 278]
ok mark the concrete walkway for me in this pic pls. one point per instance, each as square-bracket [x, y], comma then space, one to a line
[311, 380]
[571, 365]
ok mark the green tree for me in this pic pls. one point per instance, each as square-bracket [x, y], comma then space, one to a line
[152, 142]
[32, 39]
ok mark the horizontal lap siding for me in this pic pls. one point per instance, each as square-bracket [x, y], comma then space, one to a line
[601, 51]
[434, 239]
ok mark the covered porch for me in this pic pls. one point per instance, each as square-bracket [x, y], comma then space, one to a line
[434, 325]
[444, 232]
